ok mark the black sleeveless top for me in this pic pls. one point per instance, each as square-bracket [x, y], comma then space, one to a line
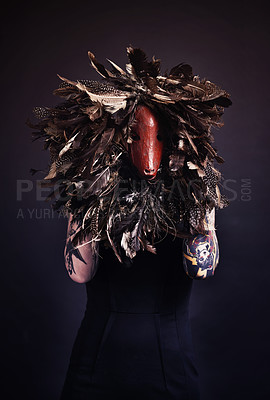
[134, 341]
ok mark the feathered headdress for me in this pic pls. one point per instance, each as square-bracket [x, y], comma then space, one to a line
[90, 171]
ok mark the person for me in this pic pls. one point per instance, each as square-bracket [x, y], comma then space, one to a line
[134, 341]
[131, 164]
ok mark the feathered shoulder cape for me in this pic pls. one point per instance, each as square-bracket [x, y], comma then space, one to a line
[90, 173]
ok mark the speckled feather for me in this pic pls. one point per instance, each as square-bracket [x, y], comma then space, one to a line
[92, 170]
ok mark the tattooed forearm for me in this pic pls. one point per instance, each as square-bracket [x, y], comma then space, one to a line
[201, 252]
[71, 254]
[82, 260]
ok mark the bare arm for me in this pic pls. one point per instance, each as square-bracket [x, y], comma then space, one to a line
[81, 262]
[201, 252]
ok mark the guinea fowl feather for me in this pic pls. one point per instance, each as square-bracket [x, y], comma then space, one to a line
[88, 137]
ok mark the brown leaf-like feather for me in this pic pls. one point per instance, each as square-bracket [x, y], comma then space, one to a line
[99, 67]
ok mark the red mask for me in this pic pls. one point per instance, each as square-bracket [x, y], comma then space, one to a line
[147, 146]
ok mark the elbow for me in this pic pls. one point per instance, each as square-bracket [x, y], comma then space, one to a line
[78, 278]
[197, 269]
[78, 275]
[205, 272]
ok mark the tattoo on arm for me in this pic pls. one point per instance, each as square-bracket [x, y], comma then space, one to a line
[74, 254]
[201, 252]
[71, 252]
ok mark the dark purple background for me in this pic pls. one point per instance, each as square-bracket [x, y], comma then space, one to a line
[227, 42]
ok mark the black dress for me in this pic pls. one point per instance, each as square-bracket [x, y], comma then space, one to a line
[134, 341]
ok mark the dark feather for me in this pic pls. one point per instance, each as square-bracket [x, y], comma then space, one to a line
[181, 71]
[141, 66]
[87, 137]
[98, 67]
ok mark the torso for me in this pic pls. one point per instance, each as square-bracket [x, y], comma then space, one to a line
[135, 337]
